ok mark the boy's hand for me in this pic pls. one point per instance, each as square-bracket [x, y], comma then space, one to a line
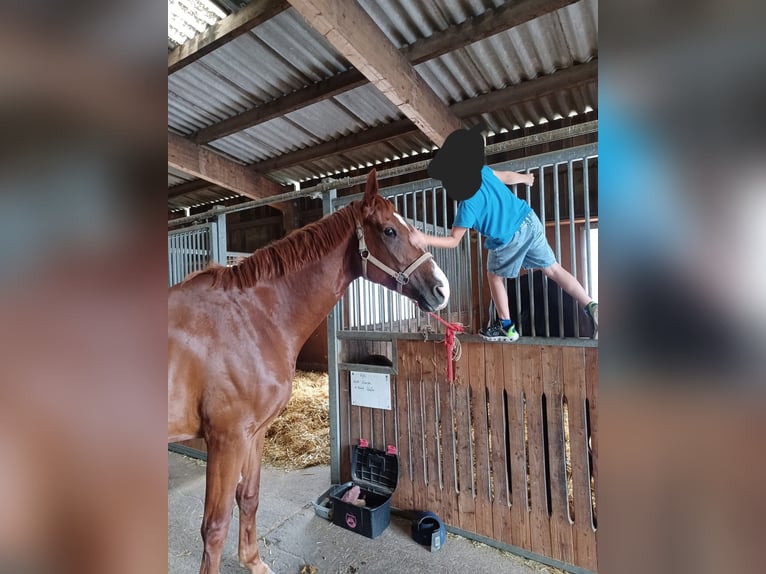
[530, 179]
[418, 238]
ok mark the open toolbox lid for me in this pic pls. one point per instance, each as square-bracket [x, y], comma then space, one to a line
[373, 469]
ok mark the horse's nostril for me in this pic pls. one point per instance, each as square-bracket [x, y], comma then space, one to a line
[439, 291]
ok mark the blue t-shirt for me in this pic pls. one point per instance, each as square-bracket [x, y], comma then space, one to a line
[493, 211]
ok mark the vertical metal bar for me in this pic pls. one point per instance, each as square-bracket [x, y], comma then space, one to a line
[546, 314]
[332, 370]
[221, 231]
[480, 267]
[517, 281]
[531, 279]
[586, 191]
[170, 260]
[557, 218]
[179, 258]
[435, 232]
[572, 240]
[381, 296]
[196, 248]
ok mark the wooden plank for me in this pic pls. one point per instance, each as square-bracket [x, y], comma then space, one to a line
[215, 168]
[449, 507]
[518, 461]
[365, 421]
[378, 436]
[344, 381]
[223, 31]
[390, 436]
[417, 438]
[591, 384]
[501, 503]
[402, 498]
[188, 187]
[355, 35]
[539, 523]
[490, 22]
[430, 423]
[478, 389]
[462, 408]
[560, 525]
[574, 388]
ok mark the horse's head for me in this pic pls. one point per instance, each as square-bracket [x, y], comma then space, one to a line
[388, 257]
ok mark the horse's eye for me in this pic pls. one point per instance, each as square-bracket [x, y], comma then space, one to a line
[390, 231]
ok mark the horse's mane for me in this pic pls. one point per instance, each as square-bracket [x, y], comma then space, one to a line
[298, 249]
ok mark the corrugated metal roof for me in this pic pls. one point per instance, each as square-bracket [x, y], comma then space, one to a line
[187, 18]
[285, 54]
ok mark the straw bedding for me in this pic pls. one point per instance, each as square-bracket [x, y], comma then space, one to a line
[300, 436]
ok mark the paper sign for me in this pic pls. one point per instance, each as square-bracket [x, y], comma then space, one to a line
[371, 390]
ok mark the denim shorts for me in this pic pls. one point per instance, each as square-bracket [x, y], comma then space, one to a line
[527, 248]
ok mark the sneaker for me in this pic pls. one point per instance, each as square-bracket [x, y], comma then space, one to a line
[495, 332]
[591, 310]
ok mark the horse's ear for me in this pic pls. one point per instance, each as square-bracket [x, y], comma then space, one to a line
[371, 188]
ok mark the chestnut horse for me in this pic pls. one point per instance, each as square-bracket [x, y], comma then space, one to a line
[234, 335]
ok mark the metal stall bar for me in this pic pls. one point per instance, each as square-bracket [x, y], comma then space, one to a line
[572, 241]
[531, 281]
[544, 278]
[586, 192]
[557, 223]
[332, 370]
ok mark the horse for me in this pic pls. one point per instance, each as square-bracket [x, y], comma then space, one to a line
[234, 334]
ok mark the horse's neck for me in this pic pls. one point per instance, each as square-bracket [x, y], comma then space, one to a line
[311, 293]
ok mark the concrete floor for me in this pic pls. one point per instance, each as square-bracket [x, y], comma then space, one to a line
[291, 536]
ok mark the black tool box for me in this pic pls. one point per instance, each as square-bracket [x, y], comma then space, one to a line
[376, 473]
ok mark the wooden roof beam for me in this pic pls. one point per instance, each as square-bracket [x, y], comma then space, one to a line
[188, 187]
[489, 23]
[223, 31]
[217, 169]
[355, 35]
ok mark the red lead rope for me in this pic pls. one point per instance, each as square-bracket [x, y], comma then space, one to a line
[449, 340]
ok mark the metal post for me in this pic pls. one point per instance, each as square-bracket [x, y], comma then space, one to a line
[557, 219]
[546, 311]
[572, 241]
[332, 370]
[531, 281]
[586, 191]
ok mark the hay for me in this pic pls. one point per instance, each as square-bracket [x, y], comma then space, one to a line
[300, 436]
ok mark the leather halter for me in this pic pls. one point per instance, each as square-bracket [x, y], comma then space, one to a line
[401, 277]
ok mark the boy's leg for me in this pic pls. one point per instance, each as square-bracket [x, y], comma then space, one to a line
[567, 282]
[499, 295]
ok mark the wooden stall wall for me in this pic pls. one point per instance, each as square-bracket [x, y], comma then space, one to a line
[506, 451]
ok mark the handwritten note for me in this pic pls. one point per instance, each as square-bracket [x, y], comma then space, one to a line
[371, 390]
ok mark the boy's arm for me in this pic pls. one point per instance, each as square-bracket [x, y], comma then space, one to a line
[421, 240]
[512, 177]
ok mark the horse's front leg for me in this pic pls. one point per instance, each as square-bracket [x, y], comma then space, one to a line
[247, 499]
[225, 453]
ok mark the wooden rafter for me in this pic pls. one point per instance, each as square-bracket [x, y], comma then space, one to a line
[525, 91]
[489, 23]
[188, 187]
[217, 169]
[257, 12]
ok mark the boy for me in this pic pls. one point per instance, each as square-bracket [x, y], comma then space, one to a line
[515, 237]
